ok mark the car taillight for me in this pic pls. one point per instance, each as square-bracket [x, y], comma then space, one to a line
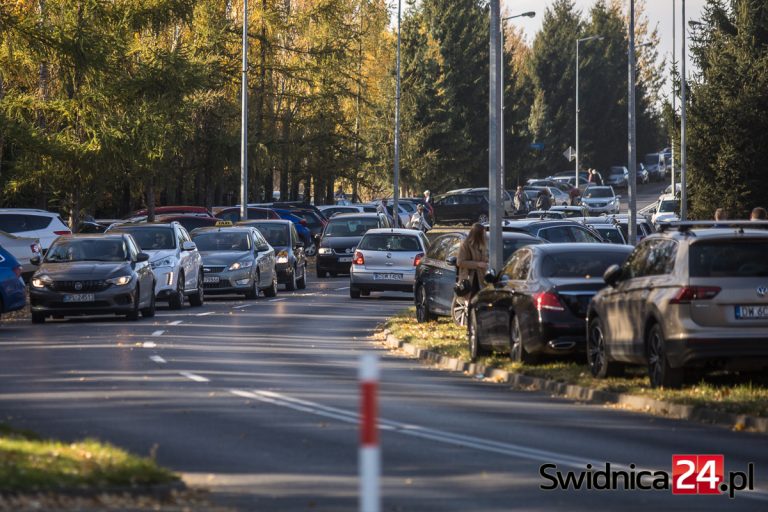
[417, 259]
[686, 294]
[359, 259]
[547, 300]
[67, 232]
[17, 271]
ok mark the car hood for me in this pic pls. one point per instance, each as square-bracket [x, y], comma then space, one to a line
[84, 270]
[224, 257]
[341, 242]
[160, 254]
[597, 200]
[667, 217]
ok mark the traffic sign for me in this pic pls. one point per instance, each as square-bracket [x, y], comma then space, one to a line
[570, 154]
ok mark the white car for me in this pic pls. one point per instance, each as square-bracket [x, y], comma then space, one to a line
[40, 224]
[668, 210]
[600, 199]
[176, 262]
[23, 249]
[559, 197]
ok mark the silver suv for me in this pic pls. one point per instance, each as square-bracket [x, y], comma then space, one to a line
[692, 298]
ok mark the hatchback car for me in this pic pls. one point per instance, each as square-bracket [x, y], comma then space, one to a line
[599, 200]
[12, 290]
[691, 299]
[24, 250]
[340, 238]
[555, 231]
[290, 261]
[175, 260]
[537, 304]
[386, 260]
[236, 260]
[617, 176]
[40, 224]
[93, 275]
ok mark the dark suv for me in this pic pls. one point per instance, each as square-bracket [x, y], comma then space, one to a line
[555, 231]
[462, 207]
[340, 238]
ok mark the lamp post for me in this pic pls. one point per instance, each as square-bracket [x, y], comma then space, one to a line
[496, 250]
[674, 95]
[683, 128]
[396, 192]
[632, 125]
[578, 154]
[244, 121]
[529, 14]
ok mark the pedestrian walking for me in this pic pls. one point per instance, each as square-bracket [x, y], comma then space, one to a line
[418, 220]
[543, 201]
[520, 201]
[472, 260]
[575, 196]
[759, 213]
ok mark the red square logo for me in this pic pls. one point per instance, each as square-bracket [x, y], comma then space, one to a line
[697, 474]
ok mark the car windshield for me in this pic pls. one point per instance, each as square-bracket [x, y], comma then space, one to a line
[87, 250]
[669, 206]
[276, 234]
[223, 241]
[512, 245]
[580, 263]
[613, 235]
[152, 239]
[595, 192]
[389, 243]
[350, 227]
[652, 159]
[729, 258]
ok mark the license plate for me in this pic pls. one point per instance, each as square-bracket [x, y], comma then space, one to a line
[80, 297]
[387, 277]
[345, 259]
[211, 279]
[748, 312]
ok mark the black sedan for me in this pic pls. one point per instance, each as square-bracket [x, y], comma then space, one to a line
[340, 238]
[538, 302]
[290, 261]
[93, 275]
[436, 275]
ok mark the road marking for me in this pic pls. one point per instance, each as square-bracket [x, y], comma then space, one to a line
[344, 288]
[205, 314]
[158, 359]
[275, 300]
[192, 376]
[158, 333]
[242, 306]
[176, 322]
[149, 344]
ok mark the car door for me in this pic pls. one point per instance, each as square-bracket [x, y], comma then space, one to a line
[428, 271]
[143, 271]
[298, 251]
[192, 261]
[265, 255]
[493, 305]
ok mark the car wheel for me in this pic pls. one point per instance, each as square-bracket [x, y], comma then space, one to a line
[517, 350]
[459, 310]
[149, 312]
[322, 274]
[659, 371]
[197, 299]
[134, 313]
[422, 309]
[483, 218]
[597, 355]
[291, 284]
[253, 292]
[176, 299]
[301, 283]
[272, 290]
[354, 292]
[38, 318]
[476, 349]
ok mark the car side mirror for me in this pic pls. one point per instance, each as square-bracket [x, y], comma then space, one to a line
[490, 276]
[35, 260]
[612, 275]
[188, 246]
[142, 256]
[451, 260]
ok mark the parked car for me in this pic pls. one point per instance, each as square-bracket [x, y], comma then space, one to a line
[609, 232]
[39, 224]
[236, 260]
[329, 210]
[305, 235]
[13, 294]
[340, 239]
[601, 199]
[290, 260]
[23, 249]
[175, 260]
[642, 173]
[555, 231]
[561, 184]
[189, 222]
[621, 221]
[656, 165]
[617, 176]
[460, 207]
[141, 215]
[545, 214]
[93, 275]
[386, 260]
[668, 210]
[254, 213]
[583, 176]
[693, 298]
[571, 212]
[403, 216]
[436, 275]
[558, 196]
[509, 207]
[536, 305]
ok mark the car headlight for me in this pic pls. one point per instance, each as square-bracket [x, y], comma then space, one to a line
[325, 250]
[41, 281]
[164, 262]
[120, 281]
[282, 257]
[241, 264]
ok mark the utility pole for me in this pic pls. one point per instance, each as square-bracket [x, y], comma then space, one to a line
[674, 92]
[683, 155]
[632, 185]
[244, 121]
[396, 195]
[496, 253]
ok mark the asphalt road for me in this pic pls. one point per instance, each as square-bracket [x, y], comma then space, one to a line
[257, 399]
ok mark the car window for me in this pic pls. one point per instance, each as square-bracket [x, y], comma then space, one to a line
[276, 234]
[351, 227]
[389, 243]
[598, 192]
[446, 201]
[95, 249]
[661, 257]
[580, 264]
[152, 239]
[223, 241]
[511, 245]
[557, 235]
[611, 234]
[294, 235]
[729, 258]
[16, 222]
[232, 216]
[439, 248]
[637, 263]
[581, 235]
[518, 266]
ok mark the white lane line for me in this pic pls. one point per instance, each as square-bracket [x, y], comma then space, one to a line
[344, 288]
[149, 344]
[242, 306]
[194, 377]
[158, 333]
[275, 300]
[158, 359]
[176, 322]
[205, 314]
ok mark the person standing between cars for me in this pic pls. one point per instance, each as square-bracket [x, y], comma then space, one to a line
[418, 220]
[759, 213]
[520, 200]
[543, 202]
[472, 260]
[382, 208]
[575, 196]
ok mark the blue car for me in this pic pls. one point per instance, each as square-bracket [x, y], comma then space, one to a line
[12, 296]
[301, 228]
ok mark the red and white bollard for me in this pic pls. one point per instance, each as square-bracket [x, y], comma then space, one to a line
[370, 457]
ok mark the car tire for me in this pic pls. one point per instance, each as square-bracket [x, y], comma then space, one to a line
[134, 313]
[197, 299]
[476, 349]
[176, 299]
[38, 318]
[422, 308]
[253, 292]
[459, 310]
[301, 283]
[149, 312]
[659, 371]
[272, 290]
[600, 366]
[354, 293]
[291, 284]
[517, 351]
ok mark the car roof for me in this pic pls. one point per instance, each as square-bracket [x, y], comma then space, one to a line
[394, 231]
[144, 225]
[359, 215]
[110, 236]
[27, 210]
[667, 197]
[229, 229]
[521, 223]
[251, 222]
[581, 247]
[697, 230]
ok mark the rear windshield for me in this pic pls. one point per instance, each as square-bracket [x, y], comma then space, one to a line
[598, 192]
[18, 223]
[511, 246]
[86, 250]
[731, 258]
[668, 206]
[152, 239]
[613, 235]
[278, 235]
[312, 220]
[350, 227]
[580, 264]
[390, 243]
[222, 241]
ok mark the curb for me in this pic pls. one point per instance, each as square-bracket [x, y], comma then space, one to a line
[157, 491]
[738, 422]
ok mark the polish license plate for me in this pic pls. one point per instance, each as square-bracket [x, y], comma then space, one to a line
[345, 259]
[211, 279]
[751, 312]
[80, 297]
[387, 277]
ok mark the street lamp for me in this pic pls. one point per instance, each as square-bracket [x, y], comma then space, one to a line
[244, 121]
[529, 14]
[396, 192]
[578, 154]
